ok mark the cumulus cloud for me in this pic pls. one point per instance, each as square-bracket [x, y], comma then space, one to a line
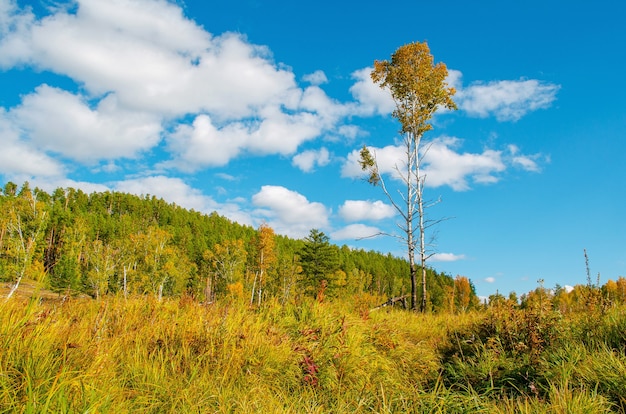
[445, 166]
[507, 100]
[20, 158]
[446, 257]
[357, 210]
[61, 122]
[388, 158]
[490, 279]
[153, 58]
[145, 71]
[203, 144]
[308, 160]
[15, 25]
[141, 65]
[355, 231]
[289, 212]
[371, 97]
[455, 79]
[316, 78]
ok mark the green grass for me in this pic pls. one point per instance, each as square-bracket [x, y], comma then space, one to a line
[177, 356]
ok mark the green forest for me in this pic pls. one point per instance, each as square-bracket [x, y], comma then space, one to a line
[114, 243]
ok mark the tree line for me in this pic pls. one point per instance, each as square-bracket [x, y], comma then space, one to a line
[107, 243]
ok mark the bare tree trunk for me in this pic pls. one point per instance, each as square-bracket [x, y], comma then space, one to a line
[422, 229]
[260, 286]
[411, 254]
[412, 192]
[125, 283]
[253, 289]
[208, 290]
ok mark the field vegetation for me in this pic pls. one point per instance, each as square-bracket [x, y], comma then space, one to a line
[139, 354]
[112, 303]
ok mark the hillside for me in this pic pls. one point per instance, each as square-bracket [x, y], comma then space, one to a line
[115, 243]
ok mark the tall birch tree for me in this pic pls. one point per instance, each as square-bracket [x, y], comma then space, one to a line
[23, 220]
[418, 87]
[265, 258]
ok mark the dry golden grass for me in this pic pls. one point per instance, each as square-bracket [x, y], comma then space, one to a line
[132, 355]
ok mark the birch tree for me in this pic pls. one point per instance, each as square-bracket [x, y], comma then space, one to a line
[226, 264]
[264, 260]
[23, 221]
[418, 88]
[159, 267]
[103, 261]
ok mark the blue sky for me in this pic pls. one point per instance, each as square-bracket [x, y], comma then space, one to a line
[256, 109]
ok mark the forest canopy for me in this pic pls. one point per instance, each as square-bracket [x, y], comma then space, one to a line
[116, 243]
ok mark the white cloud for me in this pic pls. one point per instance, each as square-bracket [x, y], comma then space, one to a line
[357, 210]
[371, 97]
[142, 63]
[289, 212]
[61, 122]
[153, 58]
[490, 279]
[507, 100]
[282, 133]
[350, 131]
[445, 166]
[526, 162]
[387, 157]
[15, 25]
[227, 177]
[308, 160]
[446, 257]
[355, 231]
[454, 79]
[21, 159]
[316, 78]
[328, 111]
[203, 144]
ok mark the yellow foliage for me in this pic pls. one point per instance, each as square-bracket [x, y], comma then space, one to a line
[235, 289]
[36, 271]
[417, 85]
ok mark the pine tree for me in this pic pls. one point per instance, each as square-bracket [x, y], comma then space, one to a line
[319, 260]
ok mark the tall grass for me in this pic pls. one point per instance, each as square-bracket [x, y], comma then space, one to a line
[139, 355]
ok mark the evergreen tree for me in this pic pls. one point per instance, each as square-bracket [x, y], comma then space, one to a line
[319, 260]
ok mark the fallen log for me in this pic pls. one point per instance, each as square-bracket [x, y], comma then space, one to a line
[393, 301]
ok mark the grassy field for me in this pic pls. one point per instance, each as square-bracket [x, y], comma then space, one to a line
[139, 355]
